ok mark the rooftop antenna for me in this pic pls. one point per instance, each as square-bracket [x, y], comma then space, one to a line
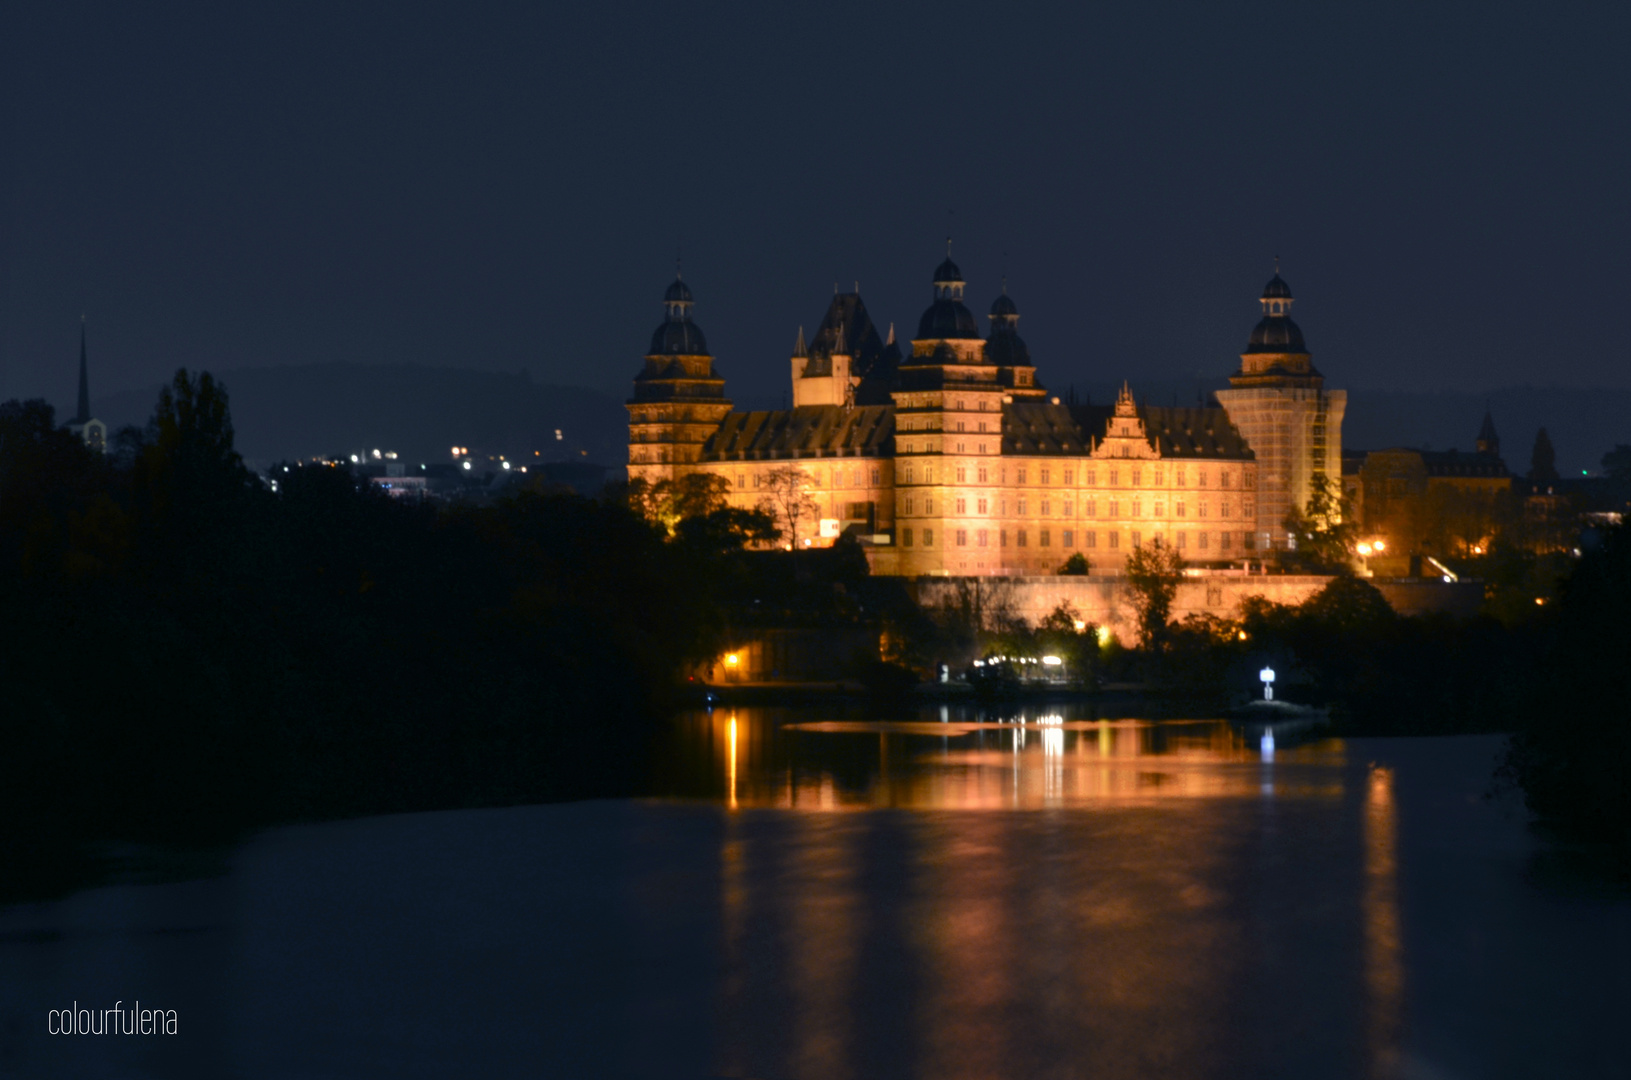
[1277, 266]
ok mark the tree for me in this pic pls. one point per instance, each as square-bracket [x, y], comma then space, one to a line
[1543, 459]
[1617, 462]
[1153, 573]
[1077, 565]
[788, 500]
[1324, 529]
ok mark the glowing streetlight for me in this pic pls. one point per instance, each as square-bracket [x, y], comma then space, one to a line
[1267, 675]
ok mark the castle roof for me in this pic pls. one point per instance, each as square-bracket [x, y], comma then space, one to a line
[810, 431]
[1044, 428]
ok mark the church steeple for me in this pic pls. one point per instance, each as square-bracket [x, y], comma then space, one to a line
[1488, 441]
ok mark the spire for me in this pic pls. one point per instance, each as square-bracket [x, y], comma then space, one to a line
[1125, 405]
[799, 348]
[891, 338]
[1488, 441]
[84, 412]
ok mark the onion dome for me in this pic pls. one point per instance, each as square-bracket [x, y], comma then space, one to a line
[1005, 346]
[678, 335]
[947, 317]
[1277, 289]
[1275, 332]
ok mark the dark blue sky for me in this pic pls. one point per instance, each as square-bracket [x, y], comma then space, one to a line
[225, 185]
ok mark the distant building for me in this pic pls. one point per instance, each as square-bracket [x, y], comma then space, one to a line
[1429, 502]
[952, 459]
[83, 424]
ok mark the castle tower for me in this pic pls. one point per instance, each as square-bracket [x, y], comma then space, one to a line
[87, 427]
[1278, 401]
[678, 399]
[845, 350]
[1008, 351]
[948, 429]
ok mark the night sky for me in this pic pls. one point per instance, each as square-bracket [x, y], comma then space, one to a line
[506, 187]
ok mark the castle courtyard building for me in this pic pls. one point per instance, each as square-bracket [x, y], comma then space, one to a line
[951, 458]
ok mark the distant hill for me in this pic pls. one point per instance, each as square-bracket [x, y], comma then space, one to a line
[295, 412]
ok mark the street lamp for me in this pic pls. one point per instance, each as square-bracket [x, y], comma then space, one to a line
[1267, 675]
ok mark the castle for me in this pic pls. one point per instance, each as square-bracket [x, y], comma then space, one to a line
[952, 459]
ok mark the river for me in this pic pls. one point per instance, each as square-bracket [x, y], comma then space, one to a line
[1030, 893]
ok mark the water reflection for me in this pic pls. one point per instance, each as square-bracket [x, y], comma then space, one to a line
[952, 758]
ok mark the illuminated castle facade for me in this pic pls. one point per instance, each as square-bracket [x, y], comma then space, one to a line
[950, 458]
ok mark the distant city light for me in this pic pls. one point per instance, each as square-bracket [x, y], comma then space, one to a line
[731, 659]
[1052, 661]
[558, 435]
[467, 465]
[353, 459]
[506, 466]
[1081, 625]
[376, 455]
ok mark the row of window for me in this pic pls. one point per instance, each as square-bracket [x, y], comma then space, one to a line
[1090, 507]
[1134, 476]
[854, 477]
[1226, 541]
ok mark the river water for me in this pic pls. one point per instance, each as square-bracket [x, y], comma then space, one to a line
[1023, 894]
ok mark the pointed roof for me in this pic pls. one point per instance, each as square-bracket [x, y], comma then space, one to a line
[1486, 433]
[799, 348]
[1125, 405]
